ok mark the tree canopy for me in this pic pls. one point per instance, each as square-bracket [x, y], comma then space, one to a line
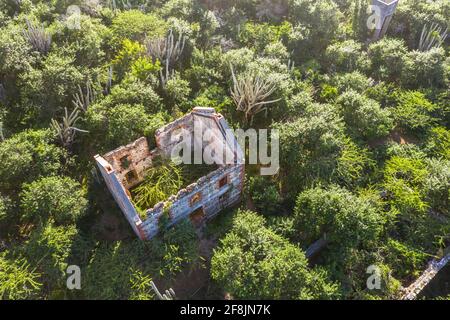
[364, 145]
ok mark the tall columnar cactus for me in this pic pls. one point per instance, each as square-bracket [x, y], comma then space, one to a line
[2, 98]
[2, 136]
[2, 93]
[291, 65]
[168, 52]
[66, 130]
[168, 295]
[432, 37]
[250, 94]
[17, 3]
[108, 85]
[84, 98]
[37, 37]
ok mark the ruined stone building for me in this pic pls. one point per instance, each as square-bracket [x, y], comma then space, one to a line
[386, 10]
[125, 168]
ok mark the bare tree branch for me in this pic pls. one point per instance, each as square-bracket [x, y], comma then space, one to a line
[250, 94]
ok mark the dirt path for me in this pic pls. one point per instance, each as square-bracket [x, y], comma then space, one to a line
[396, 136]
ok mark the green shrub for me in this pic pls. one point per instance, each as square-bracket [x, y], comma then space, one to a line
[60, 76]
[353, 163]
[216, 97]
[403, 180]
[130, 52]
[437, 185]
[387, 58]
[27, 156]
[351, 81]
[424, 69]
[60, 198]
[113, 267]
[346, 56]
[364, 117]
[309, 147]
[18, 281]
[87, 42]
[264, 194]
[343, 218]
[109, 275]
[404, 259]
[253, 262]
[320, 21]
[177, 92]
[156, 122]
[298, 103]
[4, 207]
[261, 35]
[127, 122]
[135, 92]
[136, 25]
[413, 111]
[48, 250]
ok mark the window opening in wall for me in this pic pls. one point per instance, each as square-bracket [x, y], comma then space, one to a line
[197, 217]
[223, 182]
[196, 198]
[125, 162]
[131, 176]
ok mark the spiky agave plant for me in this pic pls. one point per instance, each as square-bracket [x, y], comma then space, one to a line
[66, 130]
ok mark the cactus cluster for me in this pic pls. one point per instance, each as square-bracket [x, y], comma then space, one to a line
[39, 39]
[432, 37]
[168, 295]
[168, 52]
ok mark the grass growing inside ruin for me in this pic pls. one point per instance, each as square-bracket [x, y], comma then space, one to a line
[193, 172]
[164, 179]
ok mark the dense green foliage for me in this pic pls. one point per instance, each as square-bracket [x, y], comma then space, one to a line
[364, 145]
[59, 198]
[254, 262]
[27, 156]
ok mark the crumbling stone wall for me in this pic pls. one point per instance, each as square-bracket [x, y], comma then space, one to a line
[120, 195]
[387, 10]
[126, 166]
[211, 194]
[199, 124]
[165, 141]
[131, 161]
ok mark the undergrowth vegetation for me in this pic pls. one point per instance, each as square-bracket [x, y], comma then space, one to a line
[364, 145]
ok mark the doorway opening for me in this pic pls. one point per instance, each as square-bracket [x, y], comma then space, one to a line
[197, 217]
